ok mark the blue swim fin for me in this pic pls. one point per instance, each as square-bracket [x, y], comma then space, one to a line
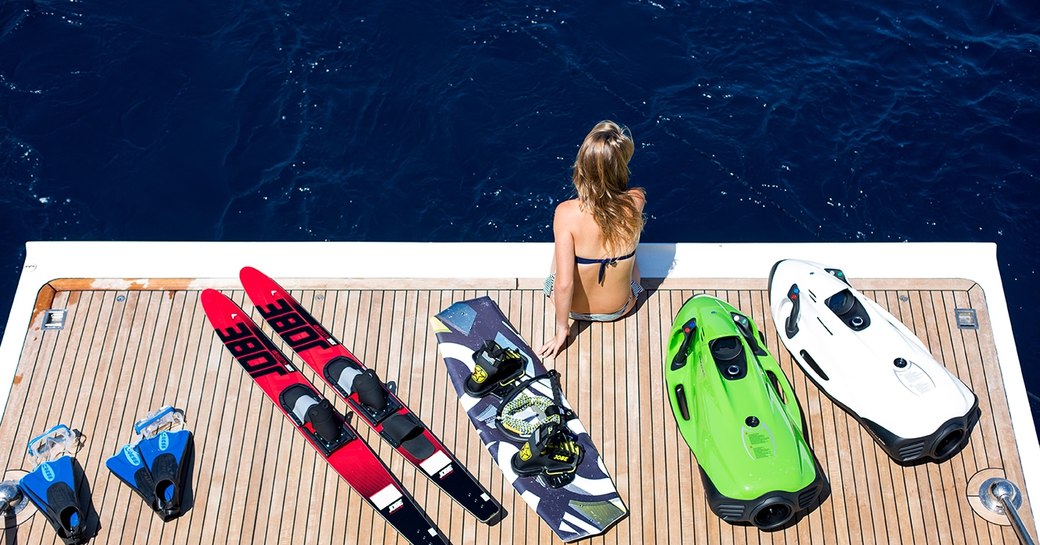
[166, 456]
[51, 487]
[128, 466]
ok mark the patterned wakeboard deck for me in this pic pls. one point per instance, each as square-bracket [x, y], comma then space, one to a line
[588, 505]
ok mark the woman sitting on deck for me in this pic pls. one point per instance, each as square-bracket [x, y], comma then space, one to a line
[594, 275]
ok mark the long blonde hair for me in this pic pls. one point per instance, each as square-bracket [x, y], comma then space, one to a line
[601, 181]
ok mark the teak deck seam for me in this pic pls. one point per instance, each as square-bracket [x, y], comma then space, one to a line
[129, 350]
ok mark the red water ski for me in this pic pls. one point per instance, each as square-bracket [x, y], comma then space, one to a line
[367, 395]
[316, 419]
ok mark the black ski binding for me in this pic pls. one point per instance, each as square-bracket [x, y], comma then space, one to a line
[370, 390]
[373, 396]
[326, 427]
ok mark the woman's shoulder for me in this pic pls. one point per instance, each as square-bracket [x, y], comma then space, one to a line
[569, 207]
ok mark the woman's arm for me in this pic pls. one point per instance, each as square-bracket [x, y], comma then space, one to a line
[563, 288]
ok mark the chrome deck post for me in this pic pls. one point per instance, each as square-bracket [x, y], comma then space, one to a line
[1001, 496]
[10, 496]
[12, 502]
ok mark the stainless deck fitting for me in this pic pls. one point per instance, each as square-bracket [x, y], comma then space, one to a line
[966, 318]
[1001, 496]
[12, 501]
[54, 318]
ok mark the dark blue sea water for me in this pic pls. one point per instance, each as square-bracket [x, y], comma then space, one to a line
[457, 121]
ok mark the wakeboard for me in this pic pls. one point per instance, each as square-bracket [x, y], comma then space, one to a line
[577, 500]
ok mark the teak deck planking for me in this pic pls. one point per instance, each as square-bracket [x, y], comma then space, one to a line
[123, 353]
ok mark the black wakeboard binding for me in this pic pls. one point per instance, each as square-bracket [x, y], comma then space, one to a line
[495, 366]
[551, 453]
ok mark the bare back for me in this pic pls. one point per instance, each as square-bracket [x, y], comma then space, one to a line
[587, 237]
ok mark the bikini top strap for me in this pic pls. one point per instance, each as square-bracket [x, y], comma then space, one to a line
[612, 261]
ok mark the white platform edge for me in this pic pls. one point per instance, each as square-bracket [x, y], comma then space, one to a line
[46, 261]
